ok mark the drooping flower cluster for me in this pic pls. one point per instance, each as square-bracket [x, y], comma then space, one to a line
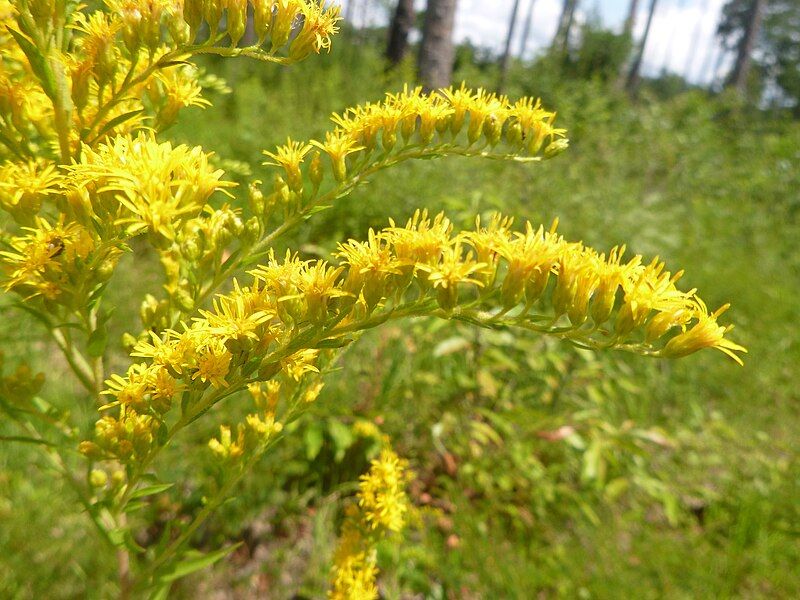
[382, 506]
[410, 124]
[491, 276]
[131, 185]
[141, 184]
[126, 67]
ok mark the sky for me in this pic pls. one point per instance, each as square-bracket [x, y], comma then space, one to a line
[682, 38]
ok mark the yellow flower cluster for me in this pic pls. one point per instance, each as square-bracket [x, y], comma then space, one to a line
[355, 568]
[18, 387]
[491, 276]
[25, 185]
[382, 493]
[56, 261]
[126, 66]
[274, 21]
[126, 187]
[411, 124]
[382, 505]
[141, 184]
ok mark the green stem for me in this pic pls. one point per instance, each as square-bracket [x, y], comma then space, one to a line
[219, 497]
[75, 359]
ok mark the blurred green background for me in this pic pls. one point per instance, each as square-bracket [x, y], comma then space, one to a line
[541, 470]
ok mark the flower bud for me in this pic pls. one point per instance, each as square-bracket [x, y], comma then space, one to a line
[251, 231]
[447, 297]
[514, 135]
[193, 15]
[475, 129]
[556, 147]
[212, 13]
[315, 172]
[180, 32]
[118, 477]
[98, 478]
[237, 20]
[408, 126]
[256, 198]
[493, 130]
[184, 300]
[80, 85]
[282, 25]
[603, 302]
[90, 450]
[262, 18]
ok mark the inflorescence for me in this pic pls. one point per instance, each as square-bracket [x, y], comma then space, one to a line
[491, 276]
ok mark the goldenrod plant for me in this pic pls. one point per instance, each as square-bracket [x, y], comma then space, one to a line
[88, 172]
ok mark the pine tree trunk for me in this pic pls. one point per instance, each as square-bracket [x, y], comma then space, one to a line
[349, 11]
[630, 21]
[506, 60]
[437, 52]
[744, 57]
[561, 40]
[633, 75]
[523, 45]
[402, 23]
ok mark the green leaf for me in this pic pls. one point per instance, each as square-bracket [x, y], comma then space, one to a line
[118, 120]
[312, 440]
[316, 209]
[161, 593]
[132, 507]
[37, 61]
[98, 340]
[150, 490]
[342, 437]
[173, 63]
[196, 561]
[592, 461]
[334, 343]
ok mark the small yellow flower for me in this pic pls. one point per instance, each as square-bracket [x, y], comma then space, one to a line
[706, 333]
[338, 145]
[290, 156]
[213, 364]
[226, 447]
[319, 25]
[298, 364]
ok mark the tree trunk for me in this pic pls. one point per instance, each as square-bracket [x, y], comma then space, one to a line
[402, 23]
[349, 12]
[523, 45]
[504, 63]
[630, 21]
[744, 56]
[561, 40]
[436, 52]
[633, 75]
